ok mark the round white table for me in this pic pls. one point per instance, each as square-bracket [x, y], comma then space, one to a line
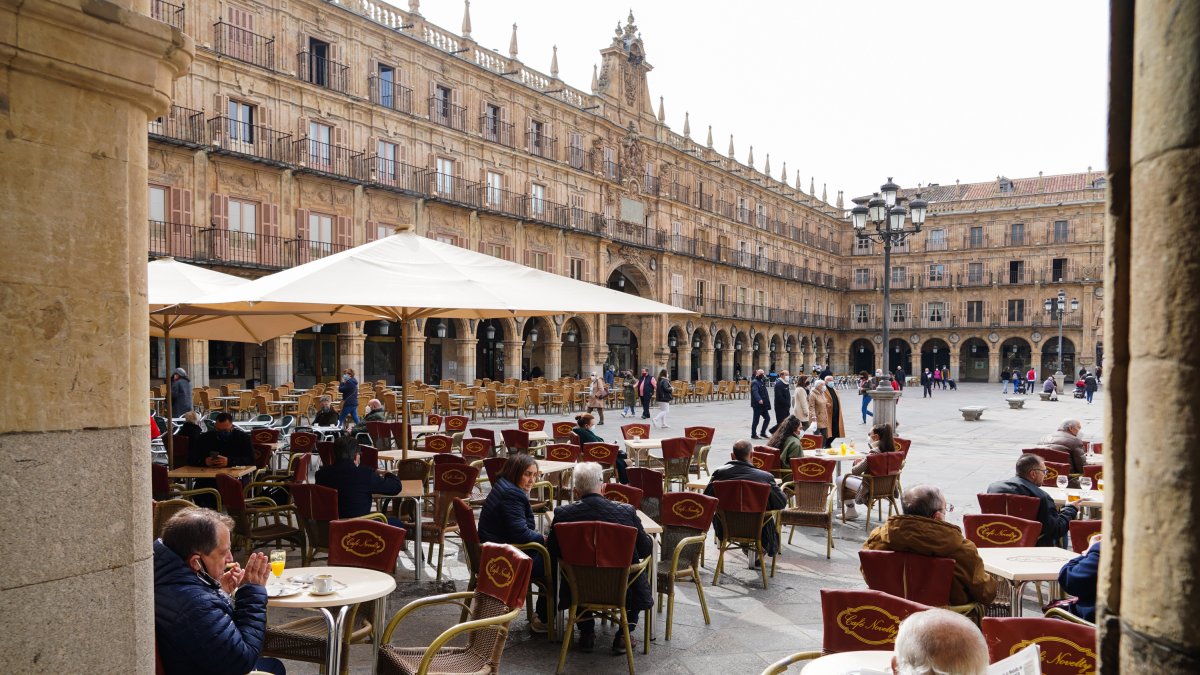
[843, 663]
[355, 585]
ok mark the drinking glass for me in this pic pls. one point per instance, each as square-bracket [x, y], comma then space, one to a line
[1061, 482]
[1100, 484]
[1085, 483]
[278, 562]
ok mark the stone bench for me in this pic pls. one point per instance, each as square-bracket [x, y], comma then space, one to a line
[1016, 403]
[1047, 396]
[972, 413]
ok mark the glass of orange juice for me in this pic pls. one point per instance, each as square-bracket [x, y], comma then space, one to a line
[278, 562]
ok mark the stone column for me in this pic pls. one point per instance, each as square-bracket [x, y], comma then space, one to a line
[279, 359]
[683, 360]
[513, 353]
[193, 357]
[706, 363]
[594, 356]
[414, 353]
[954, 364]
[727, 365]
[1147, 617]
[80, 82]
[552, 350]
[351, 347]
[465, 355]
[994, 359]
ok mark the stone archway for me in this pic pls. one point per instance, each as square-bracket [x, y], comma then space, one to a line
[742, 369]
[722, 361]
[935, 353]
[575, 334]
[1049, 361]
[973, 360]
[536, 333]
[862, 356]
[899, 355]
[1015, 353]
[491, 336]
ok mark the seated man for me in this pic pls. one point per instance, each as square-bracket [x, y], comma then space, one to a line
[740, 468]
[939, 641]
[355, 484]
[375, 413]
[588, 480]
[326, 416]
[190, 428]
[1031, 469]
[923, 529]
[1067, 439]
[224, 446]
[208, 619]
[1050, 387]
[1078, 577]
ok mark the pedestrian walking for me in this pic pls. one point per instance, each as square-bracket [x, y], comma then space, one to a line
[866, 384]
[663, 393]
[645, 391]
[760, 403]
[597, 396]
[783, 399]
[900, 375]
[1016, 381]
[1004, 378]
[937, 377]
[945, 377]
[628, 394]
[349, 391]
[927, 384]
[1030, 379]
[1090, 385]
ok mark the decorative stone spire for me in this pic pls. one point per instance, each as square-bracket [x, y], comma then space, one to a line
[799, 186]
[710, 136]
[512, 44]
[554, 62]
[824, 193]
[767, 165]
[687, 125]
[466, 27]
[730, 146]
[812, 186]
[750, 159]
[783, 174]
[414, 7]
[662, 116]
[595, 79]
[839, 201]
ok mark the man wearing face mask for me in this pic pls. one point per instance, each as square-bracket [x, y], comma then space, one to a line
[208, 619]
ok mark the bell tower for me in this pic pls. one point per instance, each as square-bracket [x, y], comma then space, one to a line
[622, 80]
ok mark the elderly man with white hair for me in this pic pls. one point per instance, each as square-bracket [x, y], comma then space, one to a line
[1067, 439]
[587, 482]
[938, 641]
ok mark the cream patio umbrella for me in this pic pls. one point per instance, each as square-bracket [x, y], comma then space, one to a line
[406, 276]
[169, 283]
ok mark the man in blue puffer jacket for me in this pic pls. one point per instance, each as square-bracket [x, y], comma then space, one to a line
[198, 626]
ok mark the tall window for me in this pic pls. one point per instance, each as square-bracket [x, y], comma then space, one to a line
[937, 312]
[537, 199]
[577, 212]
[158, 204]
[974, 273]
[1017, 234]
[1058, 270]
[386, 86]
[442, 102]
[445, 176]
[862, 276]
[319, 150]
[975, 237]
[575, 150]
[937, 272]
[862, 245]
[241, 122]
[1016, 310]
[386, 162]
[899, 275]
[495, 187]
[243, 217]
[537, 260]
[974, 311]
[318, 62]
[862, 313]
[576, 268]
[1062, 232]
[1016, 271]
[320, 227]
[899, 312]
[491, 122]
[701, 288]
[937, 239]
[537, 140]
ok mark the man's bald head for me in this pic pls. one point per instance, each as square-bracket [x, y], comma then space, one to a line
[939, 641]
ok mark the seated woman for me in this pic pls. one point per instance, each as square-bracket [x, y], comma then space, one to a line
[583, 429]
[1078, 577]
[787, 439]
[507, 518]
[852, 483]
[191, 426]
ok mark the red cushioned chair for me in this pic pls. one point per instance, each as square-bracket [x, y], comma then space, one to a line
[249, 514]
[594, 558]
[380, 433]
[678, 454]
[480, 432]
[476, 448]
[515, 440]
[1096, 447]
[1067, 648]
[811, 442]
[456, 424]
[563, 452]
[912, 576]
[994, 530]
[1053, 471]
[902, 444]
[624, 494]
[604, 454]
[1009, 505]
[882, 481]
[264, 435]
[316, 507]
[562, 431]
[767, 461]
[161, 487]
[1095, 472]
[397, 431]
[450, 482]
[1081, 531]
[704, 439]
[434, 420]
[686, 517]
[650, 482]
[439, 443]
[810, 502]
[528, 424]
[636, 430]
[496, 600]
[742, 512]
[325, 452]
[1050, 455]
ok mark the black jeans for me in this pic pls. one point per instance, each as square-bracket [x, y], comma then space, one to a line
[765, 415]
[645, 407]
[928, 391]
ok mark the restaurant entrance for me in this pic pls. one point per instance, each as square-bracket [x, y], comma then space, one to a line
[315, 355]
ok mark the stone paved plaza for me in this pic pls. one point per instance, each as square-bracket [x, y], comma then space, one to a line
[752, 627]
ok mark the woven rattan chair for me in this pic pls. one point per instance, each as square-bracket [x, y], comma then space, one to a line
[604, 454]
[476, 448]
[450, 482]
[1067, 648]
[625, 494]
[1081, 531]
[595, 561]
[704, 439]
[515, 440]
[635, 430]
[742, 512]
[678, 454]
[686, 518]
[316, 507]
[354, 542]
[1009, 505]
[164, 510]
[913, 576]
[161, 487]
[881, 481]
[492, 605]
[650, 482]
[250, 513]
[562, 431]
[994, 530]
[810, 498]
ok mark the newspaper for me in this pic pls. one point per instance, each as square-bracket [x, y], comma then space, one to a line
[1028, 661]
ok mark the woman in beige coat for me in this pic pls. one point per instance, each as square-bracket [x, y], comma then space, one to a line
[819, 405]
[597, 393]
[801, 409]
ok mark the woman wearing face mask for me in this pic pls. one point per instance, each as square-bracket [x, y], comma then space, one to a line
[349, 391]
[199, 627]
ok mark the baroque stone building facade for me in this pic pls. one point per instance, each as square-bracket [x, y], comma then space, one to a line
[308, 127]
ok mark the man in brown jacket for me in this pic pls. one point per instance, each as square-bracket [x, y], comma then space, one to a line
[923, 529]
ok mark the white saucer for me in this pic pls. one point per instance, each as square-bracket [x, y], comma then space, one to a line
[313, 592]
[282, 591]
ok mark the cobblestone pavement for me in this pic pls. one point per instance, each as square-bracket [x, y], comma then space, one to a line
[752, 627]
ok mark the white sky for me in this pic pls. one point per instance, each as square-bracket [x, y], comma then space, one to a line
[848, 91]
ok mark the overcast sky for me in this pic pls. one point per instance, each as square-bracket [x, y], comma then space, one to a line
[848, 91]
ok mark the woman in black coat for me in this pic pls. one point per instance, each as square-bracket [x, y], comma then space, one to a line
[507, 518]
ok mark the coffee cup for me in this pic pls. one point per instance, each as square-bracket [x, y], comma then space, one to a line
[323, 583]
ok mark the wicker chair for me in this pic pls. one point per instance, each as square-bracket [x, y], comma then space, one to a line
[316, 507]
[248, 512]
[495, 602]
[624, 494]
[594, 558]
[1081, 531]
[354, 542]
[450, 482]
[650, 482]
[704, 439]
[686, 518]
[562, 431]
[742, 513]
[881, 482]
[913, 576]
[810, 496]
[161, 487]
[604, 454]
[476, 448]
[1067, 648]
[678, 454]
[438, 443]
[994, 530]
[1009, 505]
[515, 440]
[635, 430]
[164, 510]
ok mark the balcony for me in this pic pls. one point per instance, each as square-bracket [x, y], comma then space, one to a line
[229, 136]
[725, 209]
[322, 72]
[392, 174]
[300, 251]
[611, 170]
[390, 95]
[1017, 239]
[936, 281]
[743, 215]
[931, 245]
[1015, 278]
[549, 213]
[632, 233]
[442, 112]
[496, 131]
[576, 157]
[541, 145]
[450, 189]
[704, 202]
[182, 125]
[224, 247]
[778, 227]
[650, 185]
[680, 193]
[506, 202]
[333, 160]
[980, 278]
[170, 14]
[867, 284]
[978, 240]
[243, 45]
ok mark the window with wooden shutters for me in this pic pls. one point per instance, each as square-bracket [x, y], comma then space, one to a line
[179, 231]
[899, 276]
[270, 244]
[537, 201]
[243, 227]
[387, 163]
[899, 312]
[317, 236]
[218, 205]
[445, 176]
[862, 313]
[320, 145]
[1016, 311]
[862, 277]
[575, 155]
[343, 234]
[974, 311]
[157, 216]
[937, 273]
[974, 273]
[241, 123]
[936, 312]
[576, 268]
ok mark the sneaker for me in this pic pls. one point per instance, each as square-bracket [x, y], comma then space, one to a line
[618, 643]
[851, 512]
[537, 626]
[586, 642]
[664, 425]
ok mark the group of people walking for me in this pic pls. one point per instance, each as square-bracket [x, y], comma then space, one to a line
[814, 403]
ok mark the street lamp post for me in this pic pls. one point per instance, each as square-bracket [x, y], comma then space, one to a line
[884, 211]
[1056, 308]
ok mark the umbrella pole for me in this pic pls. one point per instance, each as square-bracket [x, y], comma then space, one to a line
[170, 442]
[404, 386]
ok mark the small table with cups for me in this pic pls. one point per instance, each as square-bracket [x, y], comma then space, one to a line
[351, 586]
